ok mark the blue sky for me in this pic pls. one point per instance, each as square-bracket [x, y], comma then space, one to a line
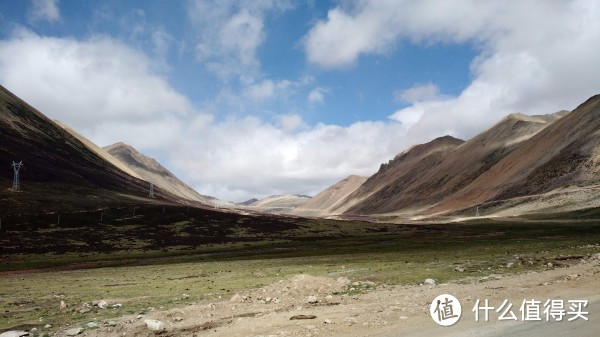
[245, 99]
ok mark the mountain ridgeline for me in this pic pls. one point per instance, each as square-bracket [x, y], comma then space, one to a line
[522, 164]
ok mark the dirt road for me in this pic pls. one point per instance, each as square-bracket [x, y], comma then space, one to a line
[328, 307]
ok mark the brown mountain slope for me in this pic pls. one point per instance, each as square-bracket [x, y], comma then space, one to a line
[277, 204]
[566, 153]
[152, 171]
[98, 150]
[59, 171]
[330, 198]
[405, 169]
[439, 181]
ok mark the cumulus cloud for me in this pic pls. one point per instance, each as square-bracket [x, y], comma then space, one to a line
[266, 89]
[535, 56]
[290, 122]
[246, 157]
[417, 93]
[230, 33]
[99, 86]
[317, 95]
[44, 10]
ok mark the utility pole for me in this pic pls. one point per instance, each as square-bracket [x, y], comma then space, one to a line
[16, 183]
[151, 194]
[477, 211]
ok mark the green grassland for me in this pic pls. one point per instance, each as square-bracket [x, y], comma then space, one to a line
[151, 259]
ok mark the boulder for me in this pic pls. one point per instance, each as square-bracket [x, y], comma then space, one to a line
[14, 333]
[155, 325]
[74, 331]
[429, 281]
[312, 299]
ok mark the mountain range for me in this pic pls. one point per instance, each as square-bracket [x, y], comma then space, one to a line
[522, 164]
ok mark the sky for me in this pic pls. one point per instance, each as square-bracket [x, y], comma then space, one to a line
[244, 99]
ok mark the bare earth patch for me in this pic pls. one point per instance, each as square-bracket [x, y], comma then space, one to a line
[340, 307]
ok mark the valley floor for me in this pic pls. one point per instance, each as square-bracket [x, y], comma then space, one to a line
[379, 310]
[254, 274]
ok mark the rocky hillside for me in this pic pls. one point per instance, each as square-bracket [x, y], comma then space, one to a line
[518, 160]
[330, 199]
[152, 171]
[59, 172]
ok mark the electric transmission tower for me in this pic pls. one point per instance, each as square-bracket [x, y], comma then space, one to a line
[151, 194]
[16, 183]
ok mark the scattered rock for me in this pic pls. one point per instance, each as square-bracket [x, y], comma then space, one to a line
[297, 317]
[327, 321]
[459, 269]
[111, 323]
[185, 296]
[85, 308]
[117, 305]
[102, 304]
[47, 326]
[154, 325]
[140, 316]
[509, 265]
[74, 331]
[429, 281]
[312, 299]
[178, 319]
[236, 298]
[14, 333]
[62, 305]
[310, 327]
[572, 277]
[92, 325]
[549, 265]
[33, 330]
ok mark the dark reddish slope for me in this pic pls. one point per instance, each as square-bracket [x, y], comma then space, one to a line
[435, 181]
[59, 171]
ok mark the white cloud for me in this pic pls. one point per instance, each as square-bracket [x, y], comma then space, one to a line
[230, 33]
[266, 89]
[248, 157]
[99, 86]
[317, 95]
[417, 93]
[44, 10]
[290, 122]
[534, 56]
